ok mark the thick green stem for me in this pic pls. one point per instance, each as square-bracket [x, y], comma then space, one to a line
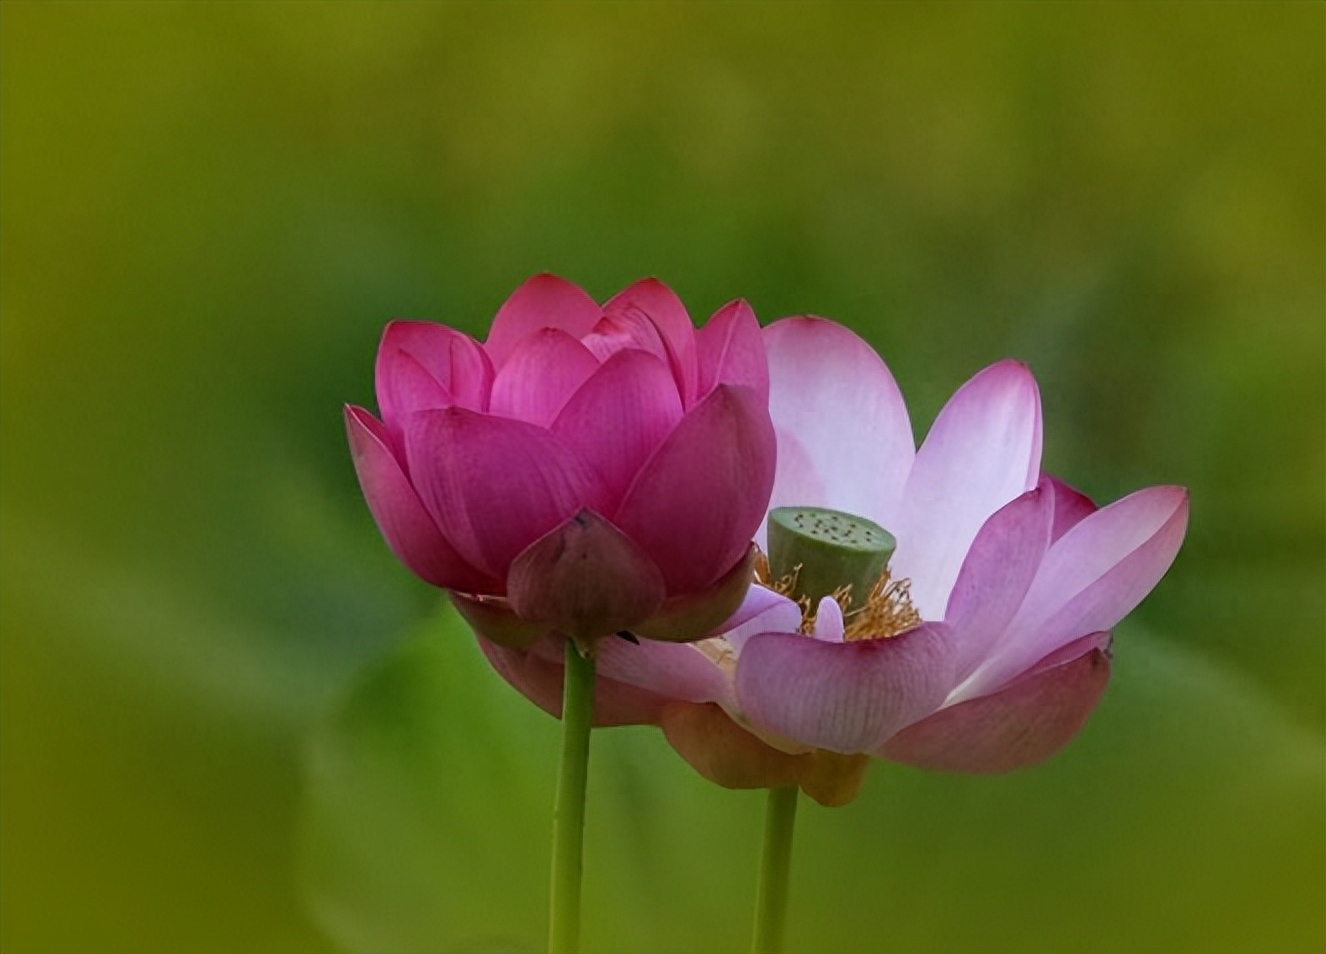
[771, 903]
[569, 813]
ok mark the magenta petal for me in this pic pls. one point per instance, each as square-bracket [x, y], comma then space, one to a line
[620, 416]
[405, 386]
[730, 350]
[697, 502]
[545, 301]
[541, 374]
[538, 678]
[844, 438]
[1018, 726]
[844, 697]
[454, 361]
[585, 579]
[495, 485]
[1070, 506]
[1091, 578]
[996, 575]
[982, 451]
[407, 527]
[651, 299]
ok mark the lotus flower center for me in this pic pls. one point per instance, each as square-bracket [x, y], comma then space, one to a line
[815, 552]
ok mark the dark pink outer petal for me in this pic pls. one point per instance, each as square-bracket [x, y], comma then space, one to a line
[456, 362]
[1070, 506]
[982, 451]
[844, 697]
[844, 438]
[996, 575]
[494, 485]
[651, 299]
[403, 387]
[540, 680]
[1021, 725]
[1092, 577]
[407, 527]
[731, 351]
[620, 416]
[545, 301]
[697, 502]
[585, 579]
[539, 377]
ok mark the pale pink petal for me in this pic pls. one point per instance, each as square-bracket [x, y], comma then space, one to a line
[540, 680]
[841, 421]
[539, 377]
[982, 451]
[697, 502]
[829, 621]
[455, 361]
[1070, 506]
[674, 670]
[731, 351]
[845, 697]
[1021, 725]
[495, 485]
[763, 611]
[585, 579]
[407, 527]
[545, 301]
[1091, 578]
[652, 299]
[620, 416]
[996, 575]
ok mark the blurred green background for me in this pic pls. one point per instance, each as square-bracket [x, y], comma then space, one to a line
[232, 723]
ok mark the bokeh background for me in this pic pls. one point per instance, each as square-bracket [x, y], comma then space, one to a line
[232, 723]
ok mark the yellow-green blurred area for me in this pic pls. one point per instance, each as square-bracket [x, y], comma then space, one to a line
[231, 722]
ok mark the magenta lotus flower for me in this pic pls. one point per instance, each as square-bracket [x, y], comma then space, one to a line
[987, 649]
[585, 470]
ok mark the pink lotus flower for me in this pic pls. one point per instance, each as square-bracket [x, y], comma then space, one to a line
[585, 470]
[993, 660]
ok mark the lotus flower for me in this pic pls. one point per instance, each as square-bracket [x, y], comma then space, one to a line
[987, 649]
[585, 470]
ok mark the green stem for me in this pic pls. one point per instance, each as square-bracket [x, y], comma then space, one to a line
[569, 813]
[771, 904]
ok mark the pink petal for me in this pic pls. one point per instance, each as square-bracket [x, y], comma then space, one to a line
[651, 299]
[407, 527]
[996, 575]
[495, 485]
[844, 439]
[620, 416]
[845, 697]
[545, 301]
[1021, 725]
[542, 373]
[454, 361]
[1091, 578]
[731, 351]
[1070, 506]
[690, 617]
[585, 579]
[697, 502]
[626, 330]
[540, 680]
[982, 451]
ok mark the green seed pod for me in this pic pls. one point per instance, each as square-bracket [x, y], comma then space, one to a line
[833, 549]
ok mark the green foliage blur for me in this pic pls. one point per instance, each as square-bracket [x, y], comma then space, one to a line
[232, 723]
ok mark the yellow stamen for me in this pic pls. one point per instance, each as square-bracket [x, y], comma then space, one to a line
[887, 611]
